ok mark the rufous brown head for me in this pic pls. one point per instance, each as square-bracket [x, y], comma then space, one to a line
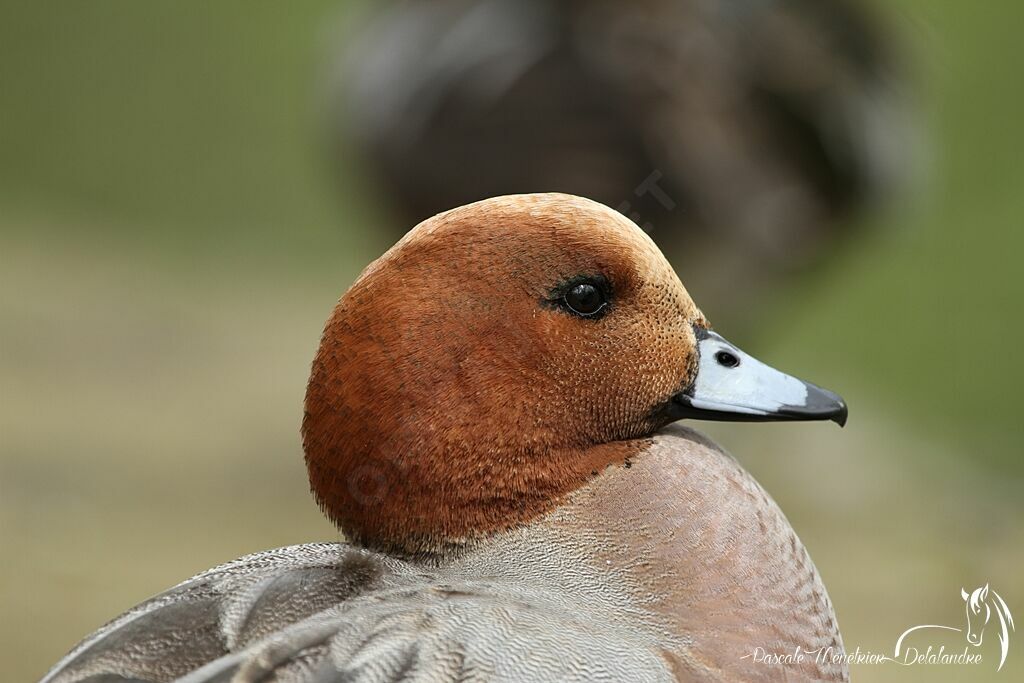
[501, 354]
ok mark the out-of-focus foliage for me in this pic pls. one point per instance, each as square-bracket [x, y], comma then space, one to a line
[172, 238]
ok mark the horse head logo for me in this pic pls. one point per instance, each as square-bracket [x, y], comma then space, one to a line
[981, 604]
[976, 607]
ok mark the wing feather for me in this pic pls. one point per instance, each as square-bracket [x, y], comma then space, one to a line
[331, 612]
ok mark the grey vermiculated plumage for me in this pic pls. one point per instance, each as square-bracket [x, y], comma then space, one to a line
[622, 582]
[350, 614]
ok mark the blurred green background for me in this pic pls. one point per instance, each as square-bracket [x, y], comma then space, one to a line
[172, 238]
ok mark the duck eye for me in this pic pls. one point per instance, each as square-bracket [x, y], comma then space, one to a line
[585, 299]
[727, 359]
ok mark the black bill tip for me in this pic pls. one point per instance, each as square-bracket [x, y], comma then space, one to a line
[821, 404]
[841, 414]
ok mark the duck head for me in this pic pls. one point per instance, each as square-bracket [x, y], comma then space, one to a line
[501, 354]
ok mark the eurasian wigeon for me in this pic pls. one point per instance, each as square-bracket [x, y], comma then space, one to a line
[488, 421]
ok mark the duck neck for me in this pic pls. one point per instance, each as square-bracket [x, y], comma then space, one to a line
[430, 500]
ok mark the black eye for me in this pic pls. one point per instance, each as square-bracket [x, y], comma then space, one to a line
[727, 359]
[585, 299]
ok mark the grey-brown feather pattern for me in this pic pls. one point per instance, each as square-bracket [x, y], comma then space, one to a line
[331, 612]
[671, 569]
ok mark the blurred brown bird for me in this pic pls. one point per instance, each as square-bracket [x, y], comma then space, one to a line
[737, 132]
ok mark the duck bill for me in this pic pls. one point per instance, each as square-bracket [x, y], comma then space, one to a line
[733, 386]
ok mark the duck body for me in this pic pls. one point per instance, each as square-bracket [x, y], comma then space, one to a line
[489, 423]
[567, 598]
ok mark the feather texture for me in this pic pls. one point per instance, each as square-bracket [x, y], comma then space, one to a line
[566, 598]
